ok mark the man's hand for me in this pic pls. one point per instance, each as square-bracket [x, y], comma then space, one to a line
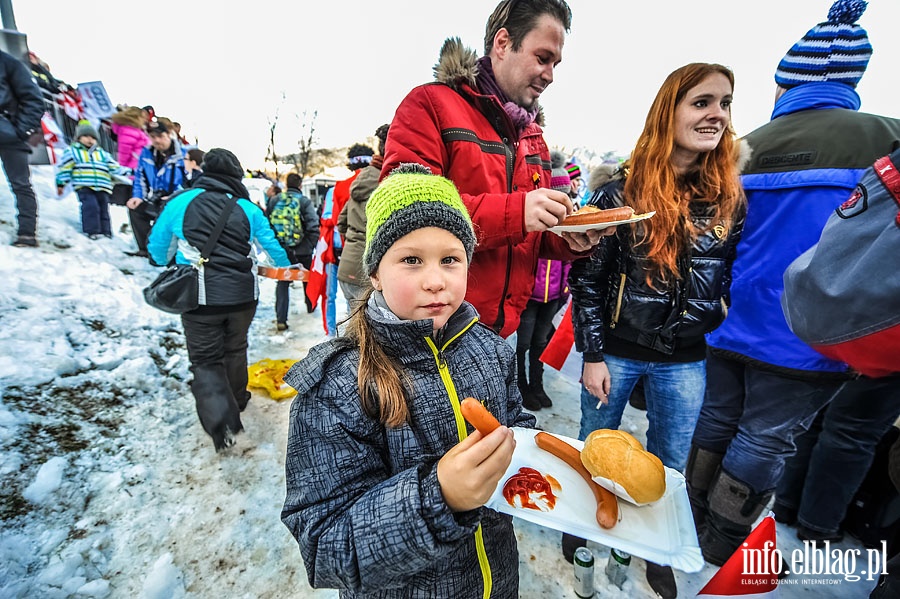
[582, 242]
[545, 208]
[133, 203]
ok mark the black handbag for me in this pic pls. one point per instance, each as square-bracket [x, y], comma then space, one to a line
[177, 289]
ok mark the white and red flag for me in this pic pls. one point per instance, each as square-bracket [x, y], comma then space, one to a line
[752, 571]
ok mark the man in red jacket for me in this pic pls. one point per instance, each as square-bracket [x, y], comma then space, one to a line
[479, 126]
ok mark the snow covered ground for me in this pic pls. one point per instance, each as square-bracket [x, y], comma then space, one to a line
[110, 488]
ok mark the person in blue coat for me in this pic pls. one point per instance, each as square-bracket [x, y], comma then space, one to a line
[216, 332]
[159, 174]
[764, 385]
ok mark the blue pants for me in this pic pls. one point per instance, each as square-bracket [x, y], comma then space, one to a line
[331, 301]
[752, 417]
[674, 392]
[94, 211]
[835, 454]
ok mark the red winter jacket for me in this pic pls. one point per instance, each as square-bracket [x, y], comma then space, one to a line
[468, 138]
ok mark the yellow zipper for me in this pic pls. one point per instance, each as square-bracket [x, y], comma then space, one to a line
[547, 283]
[615, 318]
[462, 434]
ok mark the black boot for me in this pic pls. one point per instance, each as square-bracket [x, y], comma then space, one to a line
[536, 370]
[529, 401]
[733, 508]
[569, 544]
[662, 580]
[701, 467]
[637, 400]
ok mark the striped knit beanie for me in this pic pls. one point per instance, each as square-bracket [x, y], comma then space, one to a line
[836, 50]
[411, 198]
[559, 176]
[574, 170]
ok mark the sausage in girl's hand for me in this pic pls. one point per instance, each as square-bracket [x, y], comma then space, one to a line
[478, 416]
[607, 504]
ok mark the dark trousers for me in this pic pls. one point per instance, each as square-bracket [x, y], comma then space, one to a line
[142, 219]
[536, 326]
[835, 454]
[94, 212]
[752, 416]
[18, 173]
[217, 348]
[283, 288]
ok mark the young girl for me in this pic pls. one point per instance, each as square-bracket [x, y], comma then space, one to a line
[644, 301]
[90, 168]
[385, 483]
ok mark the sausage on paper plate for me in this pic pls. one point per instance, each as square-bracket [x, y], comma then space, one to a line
[591, 215]
[607, 504]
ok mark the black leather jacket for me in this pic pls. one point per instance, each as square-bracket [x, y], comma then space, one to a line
[611, 296]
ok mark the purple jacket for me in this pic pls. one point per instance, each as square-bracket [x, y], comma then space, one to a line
[550, 280]
[131, 141]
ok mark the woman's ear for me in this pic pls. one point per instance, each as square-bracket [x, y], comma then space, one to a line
[376, 283]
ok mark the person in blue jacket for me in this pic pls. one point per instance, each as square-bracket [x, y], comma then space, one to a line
[764, 385]
[159, 173]
[216, 332]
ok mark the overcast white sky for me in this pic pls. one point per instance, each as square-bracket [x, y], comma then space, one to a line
[220, 68]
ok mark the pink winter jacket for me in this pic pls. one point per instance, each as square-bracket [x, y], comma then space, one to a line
[131, 141]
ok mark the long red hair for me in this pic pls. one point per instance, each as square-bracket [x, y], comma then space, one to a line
[653, 183]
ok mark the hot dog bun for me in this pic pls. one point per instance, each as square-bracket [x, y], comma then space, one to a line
[618, 456]
[591, 215]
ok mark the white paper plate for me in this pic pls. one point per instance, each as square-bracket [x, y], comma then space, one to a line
[662, 532]
[582, 228]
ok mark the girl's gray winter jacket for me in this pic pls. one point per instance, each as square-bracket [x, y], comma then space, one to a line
[363, 500]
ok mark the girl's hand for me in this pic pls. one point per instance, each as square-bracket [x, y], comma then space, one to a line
[470, 471]
[596, 380]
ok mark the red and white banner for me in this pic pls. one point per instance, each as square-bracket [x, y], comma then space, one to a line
[752, 571]
[53, 136]
[317, 281]
[560, 353]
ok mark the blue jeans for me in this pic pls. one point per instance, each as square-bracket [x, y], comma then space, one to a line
[674, 392]
[752, 417]
[331, 300]
[834, 455]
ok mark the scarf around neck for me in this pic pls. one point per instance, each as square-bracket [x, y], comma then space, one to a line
[487, 84]
[818, 95]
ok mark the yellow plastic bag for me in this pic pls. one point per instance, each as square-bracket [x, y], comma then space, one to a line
[269, 375]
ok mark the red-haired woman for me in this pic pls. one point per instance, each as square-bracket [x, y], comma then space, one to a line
[645, 299]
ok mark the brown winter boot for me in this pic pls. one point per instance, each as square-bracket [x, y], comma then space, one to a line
[733, 509]
[701, 467]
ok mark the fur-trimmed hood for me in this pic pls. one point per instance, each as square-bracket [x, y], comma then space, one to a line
[131, 116]
[603, 174]
[457, 66]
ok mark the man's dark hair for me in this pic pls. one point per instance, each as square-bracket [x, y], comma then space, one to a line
[293, 180]
[381, 133]
[519, 17]
[196, 154]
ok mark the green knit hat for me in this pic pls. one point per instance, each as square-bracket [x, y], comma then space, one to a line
[411, 198]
